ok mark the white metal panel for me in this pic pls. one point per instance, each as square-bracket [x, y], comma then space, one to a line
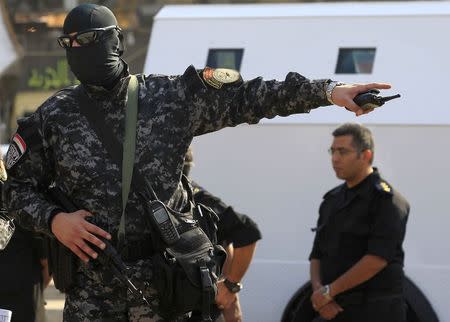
[8, 53]
[410, 54]
[328, 9]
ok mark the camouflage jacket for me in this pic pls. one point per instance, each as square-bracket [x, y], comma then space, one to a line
[57, 145]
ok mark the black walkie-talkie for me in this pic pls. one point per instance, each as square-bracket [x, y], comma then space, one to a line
[371, 99]
[160, 218]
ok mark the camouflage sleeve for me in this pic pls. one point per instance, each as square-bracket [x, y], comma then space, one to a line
[29, 175]
[217, 102]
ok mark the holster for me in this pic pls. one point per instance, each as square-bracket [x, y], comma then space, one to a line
[186, 274]
[62, 264]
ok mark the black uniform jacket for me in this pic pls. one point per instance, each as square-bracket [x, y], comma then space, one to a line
[369, 218]
[233, 227]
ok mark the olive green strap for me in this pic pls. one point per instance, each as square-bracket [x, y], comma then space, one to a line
[129, 147]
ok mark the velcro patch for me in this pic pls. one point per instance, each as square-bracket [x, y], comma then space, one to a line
[16, 150]
[226, 75]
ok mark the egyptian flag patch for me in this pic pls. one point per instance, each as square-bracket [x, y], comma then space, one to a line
[16, 150]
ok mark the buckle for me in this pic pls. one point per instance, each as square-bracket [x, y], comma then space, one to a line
[207, 283]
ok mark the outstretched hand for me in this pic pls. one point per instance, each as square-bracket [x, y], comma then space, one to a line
[343, 95]
[74, 231]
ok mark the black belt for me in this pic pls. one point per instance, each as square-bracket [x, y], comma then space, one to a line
[361, 297]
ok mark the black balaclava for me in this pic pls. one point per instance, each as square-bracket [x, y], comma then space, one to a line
[99, 63]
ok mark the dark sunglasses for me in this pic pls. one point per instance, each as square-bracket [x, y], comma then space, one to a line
[85, 37]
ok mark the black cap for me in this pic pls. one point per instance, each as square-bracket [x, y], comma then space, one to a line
[87, 16]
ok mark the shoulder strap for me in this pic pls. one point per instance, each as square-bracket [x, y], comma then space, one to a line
[129, 147]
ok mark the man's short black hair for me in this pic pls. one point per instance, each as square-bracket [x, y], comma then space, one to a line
[362, 138]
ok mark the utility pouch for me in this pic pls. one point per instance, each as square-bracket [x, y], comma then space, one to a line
[62, 264]
[7, 228]
[186, 273]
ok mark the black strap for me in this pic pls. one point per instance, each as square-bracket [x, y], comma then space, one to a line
[207, 291]
[364, 296]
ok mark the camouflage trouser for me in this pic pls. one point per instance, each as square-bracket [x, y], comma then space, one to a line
[98, 296]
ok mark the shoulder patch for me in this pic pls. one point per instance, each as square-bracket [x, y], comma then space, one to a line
[216, 77]
[17, 149]
[383, 187]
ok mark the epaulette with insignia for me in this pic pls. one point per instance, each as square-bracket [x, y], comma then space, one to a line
[219, 76]
[383, 186]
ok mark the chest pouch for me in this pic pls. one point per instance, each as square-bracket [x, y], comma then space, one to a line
[186, 274]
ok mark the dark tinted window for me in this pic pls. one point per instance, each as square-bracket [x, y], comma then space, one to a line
[355, 60]
[225, 58]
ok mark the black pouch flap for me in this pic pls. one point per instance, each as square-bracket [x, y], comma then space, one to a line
[192, 247]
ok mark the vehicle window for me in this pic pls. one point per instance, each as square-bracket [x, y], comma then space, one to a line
[225, 58]
[355, 60]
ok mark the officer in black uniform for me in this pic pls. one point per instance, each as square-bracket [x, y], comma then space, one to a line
[23, 272]
[357, 257]
[238, 233]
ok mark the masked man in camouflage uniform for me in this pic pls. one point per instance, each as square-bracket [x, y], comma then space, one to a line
[57, 145]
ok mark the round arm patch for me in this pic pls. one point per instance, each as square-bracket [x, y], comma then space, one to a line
[219, 76]
[17, 149]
